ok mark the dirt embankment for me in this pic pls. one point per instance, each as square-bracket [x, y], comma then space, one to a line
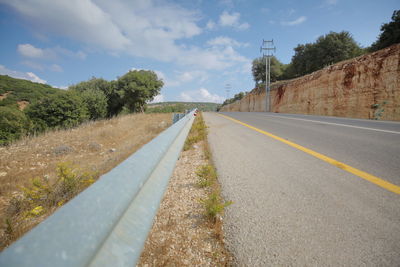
[365, 87]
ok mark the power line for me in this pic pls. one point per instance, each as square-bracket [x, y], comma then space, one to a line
[267, 48]
[227, 89]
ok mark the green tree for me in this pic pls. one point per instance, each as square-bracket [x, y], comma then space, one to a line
[96, 103]
[390, 33]
[62, 110]
[328, 49]
[113, 95]
[13, 125]
[258, 69]
[138, 87]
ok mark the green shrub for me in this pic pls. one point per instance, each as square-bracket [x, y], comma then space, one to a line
[207, 175]
[13, 125]
[62, 110]
[41, 194]
[96, 103]
[214, 205]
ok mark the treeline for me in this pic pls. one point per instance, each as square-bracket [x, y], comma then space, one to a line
[326, 50]
[88, 100]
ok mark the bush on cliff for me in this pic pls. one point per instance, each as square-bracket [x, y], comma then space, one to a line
[390, 33]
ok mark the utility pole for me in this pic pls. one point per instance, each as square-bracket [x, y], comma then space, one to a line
[227, 88]
[267, 48]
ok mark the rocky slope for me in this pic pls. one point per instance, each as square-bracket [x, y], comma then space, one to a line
[365, 87]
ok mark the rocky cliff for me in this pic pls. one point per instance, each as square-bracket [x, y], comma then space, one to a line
[364, 87]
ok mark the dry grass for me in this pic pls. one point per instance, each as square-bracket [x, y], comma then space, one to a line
[95, 147]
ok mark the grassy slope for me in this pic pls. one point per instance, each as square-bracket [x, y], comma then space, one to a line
[94, 147]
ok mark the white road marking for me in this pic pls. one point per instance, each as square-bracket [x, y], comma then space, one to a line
[338, 124]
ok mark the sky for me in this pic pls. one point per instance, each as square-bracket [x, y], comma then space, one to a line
[200, 48]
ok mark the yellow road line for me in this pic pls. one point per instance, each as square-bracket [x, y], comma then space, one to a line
[364, 175]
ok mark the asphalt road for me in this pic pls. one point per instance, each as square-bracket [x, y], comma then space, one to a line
[293, 209]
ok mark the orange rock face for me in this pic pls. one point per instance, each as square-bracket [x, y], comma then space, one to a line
[365, 87]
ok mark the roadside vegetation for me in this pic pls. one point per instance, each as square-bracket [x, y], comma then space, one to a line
[40, 174]
[214, 204]
[28, 108]
[328, 49]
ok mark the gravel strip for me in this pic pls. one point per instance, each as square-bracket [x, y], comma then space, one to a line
[182, 235]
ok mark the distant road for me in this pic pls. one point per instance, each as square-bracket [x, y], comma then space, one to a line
[293, 205]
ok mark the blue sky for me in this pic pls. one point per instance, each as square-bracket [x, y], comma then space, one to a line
[195, 46]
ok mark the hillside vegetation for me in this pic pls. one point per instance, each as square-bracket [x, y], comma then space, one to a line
[28, 108]
[14, 90]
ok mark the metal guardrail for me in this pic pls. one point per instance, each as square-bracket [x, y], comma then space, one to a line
[107, 224]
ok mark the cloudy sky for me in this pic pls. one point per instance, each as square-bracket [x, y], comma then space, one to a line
[195, 46]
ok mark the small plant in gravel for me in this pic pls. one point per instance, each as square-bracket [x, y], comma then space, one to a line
[207, 175]
[197, 133]
[214, 205]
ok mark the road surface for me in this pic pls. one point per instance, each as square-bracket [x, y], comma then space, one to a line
[292, 205]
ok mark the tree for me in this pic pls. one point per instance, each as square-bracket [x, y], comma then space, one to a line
[327, 50]
[96, 103]
[113, 95]
[390, 33]
[62, 110]
[258, 69]
[13, 124]
[138, 87]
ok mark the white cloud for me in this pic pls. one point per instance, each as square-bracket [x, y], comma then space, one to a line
[63, 87]
[33, 65]
[331, 2]
[157, 99]
[232, 20]
[56, 68]
[143, 28]
[226, 41]
[244, 26]
[228, 3]
[210, 25]
[294, 22]
[200, 95]
[182, 77]
[21, 75]
[42, 67]
[226, 19]
[189, 76]
[34, 78]
[28, 50]
[77, 19]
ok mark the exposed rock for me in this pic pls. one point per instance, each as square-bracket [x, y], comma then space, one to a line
[365, 87]
[93, 146]
[62, 150]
